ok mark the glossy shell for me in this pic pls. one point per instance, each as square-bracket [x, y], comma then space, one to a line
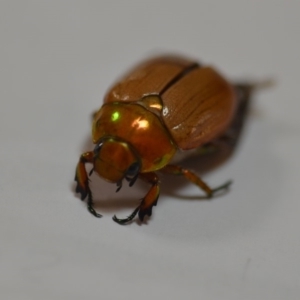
[134, 123]
[195, 103]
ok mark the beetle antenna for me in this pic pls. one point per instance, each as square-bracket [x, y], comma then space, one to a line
[119, 185]
[133, 180]
[91, 172]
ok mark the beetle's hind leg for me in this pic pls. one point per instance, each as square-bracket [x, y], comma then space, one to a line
[150, 200]
[189, 175]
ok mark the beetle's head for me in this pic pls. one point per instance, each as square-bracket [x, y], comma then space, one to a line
[115, 160]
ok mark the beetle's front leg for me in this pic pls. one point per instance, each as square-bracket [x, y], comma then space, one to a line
[176, 170]
[150, 200]
[81, 177]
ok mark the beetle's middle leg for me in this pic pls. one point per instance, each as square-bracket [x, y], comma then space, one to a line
[150, 200]
[189, 175]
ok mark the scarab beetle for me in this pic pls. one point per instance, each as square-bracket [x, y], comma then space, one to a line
[163, 106]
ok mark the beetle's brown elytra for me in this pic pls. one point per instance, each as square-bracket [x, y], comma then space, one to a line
[198, 103]
[163, 106]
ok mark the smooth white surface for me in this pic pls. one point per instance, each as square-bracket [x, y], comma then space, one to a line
[57, 59]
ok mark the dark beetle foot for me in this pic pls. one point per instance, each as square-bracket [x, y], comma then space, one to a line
[93, 212]
[87, 193]
[222, 187]
[91, 209]
[128, 219]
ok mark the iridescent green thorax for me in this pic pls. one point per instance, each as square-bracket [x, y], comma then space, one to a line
[140, 128]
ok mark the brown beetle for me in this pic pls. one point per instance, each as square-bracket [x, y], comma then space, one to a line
[163, 106]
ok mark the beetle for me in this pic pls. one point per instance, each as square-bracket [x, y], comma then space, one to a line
[164, 106]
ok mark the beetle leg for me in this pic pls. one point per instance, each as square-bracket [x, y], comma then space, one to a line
[128, 219]
[151, 197]
[150, 200]
[81, 177]
[189, 175]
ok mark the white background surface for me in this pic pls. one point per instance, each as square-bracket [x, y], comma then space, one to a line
[57, 59]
